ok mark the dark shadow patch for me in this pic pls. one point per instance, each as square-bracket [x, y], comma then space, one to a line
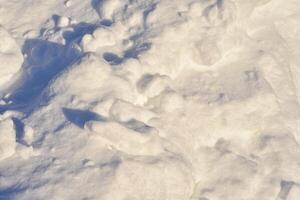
[137, 50]
[112, 59]
[106, 22]
[286, 186]
[3, 108]
[43, 62]
[138, 126]
[144, 81]
[19, 127]
[147, 12]
[56, 19]
[220, 4]
[11, 192]
[79, 30]
[80, 117]
[97, 4]
[112, 164]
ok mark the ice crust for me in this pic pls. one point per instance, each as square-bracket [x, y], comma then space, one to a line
[150, 100]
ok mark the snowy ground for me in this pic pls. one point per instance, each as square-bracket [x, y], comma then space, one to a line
[149, 99]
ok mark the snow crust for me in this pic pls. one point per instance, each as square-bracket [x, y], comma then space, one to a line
[150, 99]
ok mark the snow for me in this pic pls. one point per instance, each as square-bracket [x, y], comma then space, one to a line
[7, 138]
[62, 22]
[68, 3]
[149, 99]
[10, 57]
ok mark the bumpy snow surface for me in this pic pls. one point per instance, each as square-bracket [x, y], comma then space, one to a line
[149, 100]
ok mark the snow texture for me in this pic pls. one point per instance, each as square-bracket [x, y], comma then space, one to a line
[149, 100]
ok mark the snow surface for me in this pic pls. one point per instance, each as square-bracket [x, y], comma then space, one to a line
[149, 99]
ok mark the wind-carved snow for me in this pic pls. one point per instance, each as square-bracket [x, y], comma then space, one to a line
[152, 100]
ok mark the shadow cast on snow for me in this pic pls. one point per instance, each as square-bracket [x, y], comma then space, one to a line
[79, 30]
[44, 60]
[80, 117]
[10, 193]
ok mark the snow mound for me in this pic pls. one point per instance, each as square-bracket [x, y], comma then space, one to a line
[11, 57]
[7, 138]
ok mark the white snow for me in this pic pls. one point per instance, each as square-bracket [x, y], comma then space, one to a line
[150, 99]
[63, 22]
[68, 3]
[10, 57]
[7, 139]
